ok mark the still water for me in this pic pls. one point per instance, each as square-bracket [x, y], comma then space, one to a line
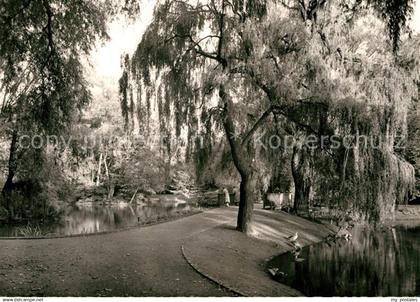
[382, 262]
[87, 219]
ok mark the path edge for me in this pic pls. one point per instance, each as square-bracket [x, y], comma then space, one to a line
[207, 276]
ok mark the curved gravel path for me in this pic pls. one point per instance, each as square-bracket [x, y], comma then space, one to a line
[139, 262]
[185, 257]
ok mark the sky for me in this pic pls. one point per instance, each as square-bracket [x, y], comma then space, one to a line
[125, 36]
[416, 17]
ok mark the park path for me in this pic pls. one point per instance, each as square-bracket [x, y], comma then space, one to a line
[145, 261]
[152, 260]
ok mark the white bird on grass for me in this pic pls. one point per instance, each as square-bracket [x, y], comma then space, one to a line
[298, 259]
[297, 246]
[296, 254]
[293, 238]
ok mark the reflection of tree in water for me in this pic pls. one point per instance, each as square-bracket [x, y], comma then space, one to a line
[117, 219]
[376, 263]
[91, 219]
[160, 209]
[81, 221]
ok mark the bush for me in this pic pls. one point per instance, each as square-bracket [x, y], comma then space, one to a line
[4, 214]
[145, 170]
[40, 190]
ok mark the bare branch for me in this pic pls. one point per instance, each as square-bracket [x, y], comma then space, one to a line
[282, 111]
[283, 3]
[257, 124]
[196, 45]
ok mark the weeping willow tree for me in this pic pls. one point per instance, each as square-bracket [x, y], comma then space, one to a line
[410, 59]
[42, 46]
[249, 62]
[372, 175]
[372, 88]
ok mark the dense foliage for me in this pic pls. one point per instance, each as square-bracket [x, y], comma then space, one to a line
[302, 67]
[208, 87]
[42, 46]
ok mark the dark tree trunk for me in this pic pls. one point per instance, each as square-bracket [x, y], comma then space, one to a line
[243, 165]
[8, 186]
[246, 204]
[300, 170]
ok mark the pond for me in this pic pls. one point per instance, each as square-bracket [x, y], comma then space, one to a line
[87, 219]
[382, 262]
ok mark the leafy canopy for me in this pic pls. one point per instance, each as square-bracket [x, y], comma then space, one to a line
[42, 46]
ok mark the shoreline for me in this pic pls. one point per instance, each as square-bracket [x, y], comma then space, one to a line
[238, 262]
[140, 225]
[209, 241]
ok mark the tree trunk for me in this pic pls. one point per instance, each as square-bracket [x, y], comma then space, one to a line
[246, 204]
[302, 182]
[98, 175]
[109, 183]
[243, 165]
[8, 186]
[106, 166]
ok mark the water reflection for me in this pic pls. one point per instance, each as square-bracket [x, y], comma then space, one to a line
[86, 219]
[384, 262]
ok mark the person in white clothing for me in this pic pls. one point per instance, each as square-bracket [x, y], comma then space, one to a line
[227, 197]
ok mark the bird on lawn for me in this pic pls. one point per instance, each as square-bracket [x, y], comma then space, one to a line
[298, 259]
[276, 273]
[293, 238]
[297, 246]
[296, 255]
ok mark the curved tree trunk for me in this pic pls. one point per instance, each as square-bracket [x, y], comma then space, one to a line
[302, 182]
[243, 165]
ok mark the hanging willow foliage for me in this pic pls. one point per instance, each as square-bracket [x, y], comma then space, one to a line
[374, 89]
[331, 77]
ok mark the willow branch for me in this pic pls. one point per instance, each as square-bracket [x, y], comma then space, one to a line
[256, 125]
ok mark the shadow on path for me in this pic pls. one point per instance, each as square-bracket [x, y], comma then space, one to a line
[238, 262]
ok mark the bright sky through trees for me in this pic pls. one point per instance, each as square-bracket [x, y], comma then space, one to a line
[124, 38]
[416, 17]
